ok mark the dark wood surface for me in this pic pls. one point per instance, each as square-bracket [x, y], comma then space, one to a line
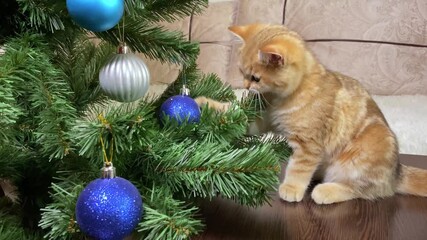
[398, 217]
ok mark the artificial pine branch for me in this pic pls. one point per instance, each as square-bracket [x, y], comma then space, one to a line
[48, 98]
[199, 84]
[9, 109]
[168, 218]
[125, 127]
[44, 14]
[278, 143]
[133, 7]
[178, 224]
[10, 228]
[213, 127]
[207, 82]
[206, 169]
[170, 10]
[59, 216]
[10, 168]
[153, 41]
[224, 127]
[80, 59]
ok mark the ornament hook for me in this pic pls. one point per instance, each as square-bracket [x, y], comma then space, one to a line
[185, 91]
[108, 171]
[123, 49]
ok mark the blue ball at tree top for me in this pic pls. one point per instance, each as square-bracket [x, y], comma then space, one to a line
[181, 108]
[96, 15]
[109, 209]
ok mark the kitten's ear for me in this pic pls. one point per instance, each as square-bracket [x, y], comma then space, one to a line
[270, 55]
[240, 31]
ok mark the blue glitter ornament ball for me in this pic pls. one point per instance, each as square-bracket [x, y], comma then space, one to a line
[109, 209]
[96, 15]
[181, 108]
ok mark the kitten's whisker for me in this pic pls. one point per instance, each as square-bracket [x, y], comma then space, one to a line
[260, 102]
[265, 100]
[249, 96]
[254, 91]
[246, 94]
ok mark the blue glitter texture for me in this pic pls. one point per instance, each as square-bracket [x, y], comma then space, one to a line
[179, 108]
[109, 209]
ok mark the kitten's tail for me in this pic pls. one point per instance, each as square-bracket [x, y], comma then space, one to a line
[412, 181]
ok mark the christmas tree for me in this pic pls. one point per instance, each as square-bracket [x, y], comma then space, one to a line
[58, 128]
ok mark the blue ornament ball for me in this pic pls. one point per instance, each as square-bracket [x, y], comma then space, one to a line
[96, 15]
[109, 209]
[181, 108]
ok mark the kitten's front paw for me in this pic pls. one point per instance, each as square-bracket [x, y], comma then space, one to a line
[218, 106]
[201, 101]
[322, 194]
[291, 193]
[327, 193]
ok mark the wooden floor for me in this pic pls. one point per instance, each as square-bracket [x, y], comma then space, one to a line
[398, 217]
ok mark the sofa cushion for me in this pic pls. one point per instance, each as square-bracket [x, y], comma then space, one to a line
[380, 43]
[214, 58]
[211, 30]
[407, 117]
[265, 11]
[234, 76]
[382, 68]
[391, 21]
[211, 26]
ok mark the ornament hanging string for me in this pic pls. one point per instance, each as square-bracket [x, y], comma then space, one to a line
[184, 90]
[104, 152]
[184, 66]
[105, 123]
[122, 31]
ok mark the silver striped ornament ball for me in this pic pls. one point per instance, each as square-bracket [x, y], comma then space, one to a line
[125, 77]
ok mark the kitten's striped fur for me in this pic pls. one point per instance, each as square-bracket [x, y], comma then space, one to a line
[337, 132]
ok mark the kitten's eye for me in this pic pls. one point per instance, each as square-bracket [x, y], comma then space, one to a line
[255, 79]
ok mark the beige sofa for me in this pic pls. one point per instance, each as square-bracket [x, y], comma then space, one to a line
[381, 43]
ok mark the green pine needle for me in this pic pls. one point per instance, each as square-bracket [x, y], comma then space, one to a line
[170, 10]
[80, 59]
[58, 216]
[44, 14]
[168, 218]
[154, 41]
[48, 102]
[206, 169]
[10, 229]
[124, 126]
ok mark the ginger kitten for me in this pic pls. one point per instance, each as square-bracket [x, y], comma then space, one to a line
[337, 132]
